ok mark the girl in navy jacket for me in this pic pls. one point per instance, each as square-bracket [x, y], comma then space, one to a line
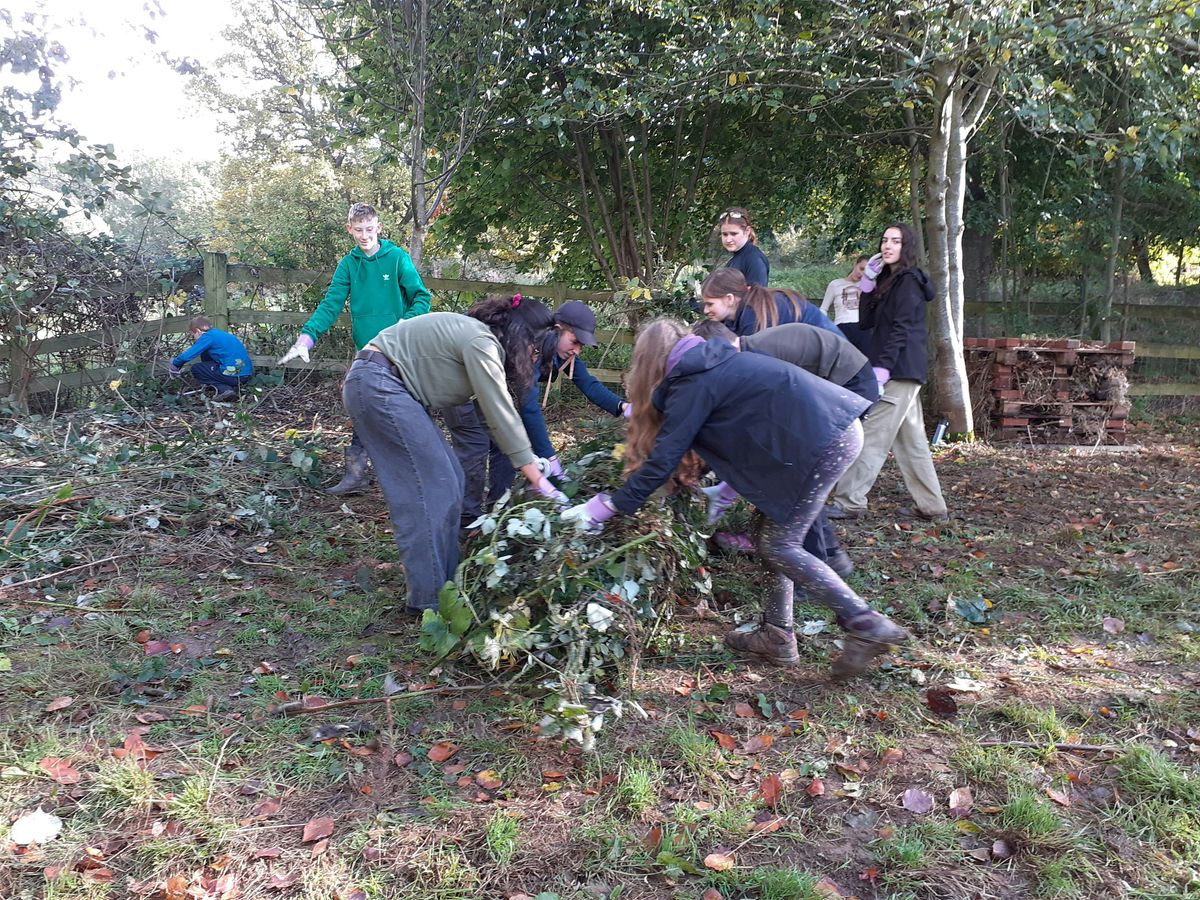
[782, 449]
[738, 237]
[745, 308]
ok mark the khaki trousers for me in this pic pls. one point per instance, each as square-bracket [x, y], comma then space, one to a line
[896, 422]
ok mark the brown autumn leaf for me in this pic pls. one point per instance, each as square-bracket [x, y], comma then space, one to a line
[489, 780]
[60, 770]
[712, 894]
[1113, 625]
[719, 862]
[317, 829]
[745, 711]
[816, 788]
[828, 889]
[268, 807]
[766, 822]
[458, 705]
[652, 840]
[156, 648]
[150, 717]
[442, 751]
[282, 880]
[724, 741]
[758, 744]
[402, 759]
[942, 702]
[770, 790]
[1062, 798]
[59, 703]
[319, 848]
[553, 775]
[961, 802]
[891, 755]
[264, 668]
[266, 853]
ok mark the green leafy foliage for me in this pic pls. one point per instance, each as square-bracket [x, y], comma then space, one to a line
[537, 597]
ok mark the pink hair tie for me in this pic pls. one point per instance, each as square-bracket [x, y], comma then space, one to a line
[516, 301]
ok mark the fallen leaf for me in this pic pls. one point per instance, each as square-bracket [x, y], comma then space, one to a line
[60, 770]
[59, 703]
[766, 822]
[403, 758]
[264, 668]
[816, 788]
[280, 881]
[724, 741]
[653, 839]
[150, 717]
[980, 853]
[891, 755]
[458, 705]
[827, 889]
[97, 875]
[758, 744]
[964, 685]
[712, 894]
[489, 780]
[1114, 625]
[770, 790]
[553, 775]
[156, 648]
[917, 801]
[1062, 798]
[870, 873]
[266, 808]
[37, 827]
[266, 853]
[442, 751]
[942, 702]
[961, 802]
[719, 862]
[317, 829]
[745, 711]
[319, 848]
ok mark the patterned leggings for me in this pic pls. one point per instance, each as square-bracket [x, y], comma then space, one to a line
[780, 545]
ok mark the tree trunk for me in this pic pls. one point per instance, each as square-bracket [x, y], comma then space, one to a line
[1142, 255]
[416, 242]
[978, 244]
[1114, 249]
[914, 184]
[946, 174]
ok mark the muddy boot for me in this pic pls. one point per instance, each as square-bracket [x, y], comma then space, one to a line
[840, 562]
[766, 642]
[867, 636]
[356, 480]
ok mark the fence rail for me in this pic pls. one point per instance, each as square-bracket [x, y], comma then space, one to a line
[219, 274]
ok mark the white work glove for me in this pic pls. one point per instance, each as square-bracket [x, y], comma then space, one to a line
[299, 350]
[720, 498]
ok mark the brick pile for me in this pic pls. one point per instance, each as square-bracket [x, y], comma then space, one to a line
[1049, 391]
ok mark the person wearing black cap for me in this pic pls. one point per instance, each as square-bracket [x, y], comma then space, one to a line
[559, 337]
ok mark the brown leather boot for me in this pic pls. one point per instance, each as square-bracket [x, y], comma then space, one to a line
[867, 636]
[357, 478]
[766, 642]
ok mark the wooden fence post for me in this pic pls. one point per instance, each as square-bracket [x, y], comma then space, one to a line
[18, 371]
[216, 289]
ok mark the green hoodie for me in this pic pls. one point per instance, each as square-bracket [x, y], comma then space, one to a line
[383, 289]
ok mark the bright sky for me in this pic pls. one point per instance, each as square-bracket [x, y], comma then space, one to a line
[126, 95]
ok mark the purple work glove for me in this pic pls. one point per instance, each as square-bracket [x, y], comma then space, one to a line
[550, 492]
[720, 498]
[627, 410]
[174, 371]
[870, 273]
[299, 350]
[592, 515]
[555, 469]
[883, 376]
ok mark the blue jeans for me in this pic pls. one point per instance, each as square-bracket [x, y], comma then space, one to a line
[210, 373]
[418, 474]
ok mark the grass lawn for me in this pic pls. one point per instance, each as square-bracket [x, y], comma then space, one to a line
[173, 575]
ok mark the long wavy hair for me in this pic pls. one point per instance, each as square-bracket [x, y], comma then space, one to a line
[499, 314]
[761, 300]
[654, 344]
[908, 258]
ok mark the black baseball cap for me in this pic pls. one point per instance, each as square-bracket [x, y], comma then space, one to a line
[578, 316]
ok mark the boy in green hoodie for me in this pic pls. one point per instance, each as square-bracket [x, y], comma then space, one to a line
[383, 287]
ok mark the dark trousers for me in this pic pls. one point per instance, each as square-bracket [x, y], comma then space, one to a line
[857, 335]
[418, 474]
[481, 460]
[209, 373]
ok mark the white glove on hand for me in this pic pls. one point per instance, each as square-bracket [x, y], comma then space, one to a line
[299, 350]
[720, 498]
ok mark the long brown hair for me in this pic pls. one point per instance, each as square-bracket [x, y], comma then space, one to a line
[908, 258]
[735, 215]
[499, 314]
[650, 352]
[761, 300]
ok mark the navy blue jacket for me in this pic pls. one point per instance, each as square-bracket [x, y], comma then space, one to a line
[763, 442]
[899, 341]
[531, 409]
[744, 321]
[752, 263]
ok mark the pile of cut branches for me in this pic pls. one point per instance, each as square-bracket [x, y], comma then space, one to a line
[540, 599]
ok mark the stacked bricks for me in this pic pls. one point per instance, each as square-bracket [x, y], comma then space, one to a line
[1051, 391]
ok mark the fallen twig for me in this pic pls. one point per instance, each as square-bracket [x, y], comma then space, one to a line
[297, 707]
[1034, 745]
[61, 572]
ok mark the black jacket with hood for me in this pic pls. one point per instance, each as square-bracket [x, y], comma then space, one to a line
[899, 341]
[760, 423]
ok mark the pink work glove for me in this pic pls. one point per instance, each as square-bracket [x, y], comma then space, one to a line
[870, 273]
[592, 515]
[883, 376]
[720, 498]
[550, 492]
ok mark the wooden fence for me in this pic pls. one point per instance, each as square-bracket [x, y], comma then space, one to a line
[219, 274]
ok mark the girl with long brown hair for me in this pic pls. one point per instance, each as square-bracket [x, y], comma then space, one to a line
[746, 308]
[782, 449]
